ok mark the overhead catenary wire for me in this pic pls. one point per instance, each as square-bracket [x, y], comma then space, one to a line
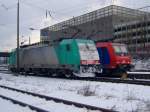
[35, 6]
[12, 6]
[50, 12]
[60, 10]
[63, 11]
[47, 11]
[53, 14]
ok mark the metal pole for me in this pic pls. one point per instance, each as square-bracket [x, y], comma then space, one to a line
[29, 41]
[18, 67]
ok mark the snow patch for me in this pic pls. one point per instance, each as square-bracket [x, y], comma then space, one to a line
[119, 97]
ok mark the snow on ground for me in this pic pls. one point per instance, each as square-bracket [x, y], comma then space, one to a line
[7, 106]
[120, 97]
[50, 106]
[141, 64]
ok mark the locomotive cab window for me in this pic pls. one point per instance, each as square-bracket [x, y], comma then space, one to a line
[120, 49]
[68, 47]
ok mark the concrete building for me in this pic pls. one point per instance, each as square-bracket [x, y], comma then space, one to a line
[113, 23]
[136, 35]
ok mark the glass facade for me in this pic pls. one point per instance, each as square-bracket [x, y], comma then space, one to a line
[123, 25]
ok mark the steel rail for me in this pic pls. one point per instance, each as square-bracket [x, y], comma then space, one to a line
[114, 80]
[57, 100]
[139, 75]
[132, 79]
[23, 104]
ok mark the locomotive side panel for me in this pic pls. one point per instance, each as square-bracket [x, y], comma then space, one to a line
[66, 57]
[39, 57]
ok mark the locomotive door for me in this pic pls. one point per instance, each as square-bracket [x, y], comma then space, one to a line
[104, 55]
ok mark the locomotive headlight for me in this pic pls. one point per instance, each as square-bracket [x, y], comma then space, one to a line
[97, 62]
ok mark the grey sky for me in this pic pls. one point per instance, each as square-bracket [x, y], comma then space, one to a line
[32, 14]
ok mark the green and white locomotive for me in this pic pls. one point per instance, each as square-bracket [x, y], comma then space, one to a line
[64, 58]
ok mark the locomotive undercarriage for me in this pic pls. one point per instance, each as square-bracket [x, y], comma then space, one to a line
[54, 72]
[119, 71]
[88, 71]
[63, 71]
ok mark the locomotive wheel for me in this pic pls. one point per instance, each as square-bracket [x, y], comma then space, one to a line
[67, 75]
[54, 74]
[124, 75]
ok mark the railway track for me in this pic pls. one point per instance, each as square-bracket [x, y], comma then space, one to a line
[57, 100]
[23, 104]
[139, 75]
[115, 80]
[132, 75]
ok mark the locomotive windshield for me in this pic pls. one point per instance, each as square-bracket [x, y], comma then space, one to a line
[86, 47]
[120, 49]
[88, 51]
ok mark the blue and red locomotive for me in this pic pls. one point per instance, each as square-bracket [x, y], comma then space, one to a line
[114, 58]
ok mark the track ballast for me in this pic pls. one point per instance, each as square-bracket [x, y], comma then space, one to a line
[131, 80]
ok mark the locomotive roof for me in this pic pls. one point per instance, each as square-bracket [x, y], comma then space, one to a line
[48, 43]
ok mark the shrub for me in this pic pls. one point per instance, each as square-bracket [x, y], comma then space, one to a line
[86, 91]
